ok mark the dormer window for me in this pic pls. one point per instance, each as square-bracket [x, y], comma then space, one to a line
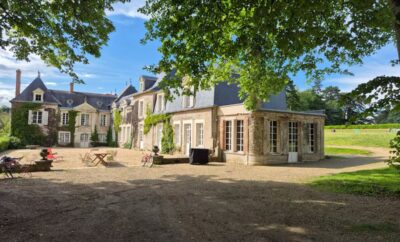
[38, 97]
[188, 101]
[160, 102]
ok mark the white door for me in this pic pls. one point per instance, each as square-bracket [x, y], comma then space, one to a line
[187, 138]
[159, 135]
[293, 142]
[84, 140]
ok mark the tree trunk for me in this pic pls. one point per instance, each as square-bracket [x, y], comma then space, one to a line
[395, 6]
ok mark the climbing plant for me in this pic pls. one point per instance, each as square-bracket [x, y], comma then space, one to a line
[71, 124]
[109, 137]
[153, 119]
[117, 122]
[94, 137]
[167, 140]
[27, 133]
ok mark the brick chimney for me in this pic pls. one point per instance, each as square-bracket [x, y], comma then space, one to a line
[71, 87]
[18, 82]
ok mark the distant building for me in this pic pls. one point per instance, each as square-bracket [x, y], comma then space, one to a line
[53, 115]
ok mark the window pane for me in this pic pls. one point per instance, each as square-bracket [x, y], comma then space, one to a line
[199, 134]
[228, 135]
[239, 135]
[273, 136]
[293, 129]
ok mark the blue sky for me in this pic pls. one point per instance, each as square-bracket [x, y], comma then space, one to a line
[123, 59]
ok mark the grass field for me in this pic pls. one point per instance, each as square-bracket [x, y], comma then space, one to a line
[377, 182]
[360, 137]
[345, 151]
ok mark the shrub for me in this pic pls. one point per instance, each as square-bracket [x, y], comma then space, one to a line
[167, 140]
[98, 144]
[4, 141]
[127, 145]
[15, 143]
[394, 159]
[94, 137]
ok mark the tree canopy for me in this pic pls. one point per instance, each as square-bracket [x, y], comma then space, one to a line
[265, 41]
[61, 32]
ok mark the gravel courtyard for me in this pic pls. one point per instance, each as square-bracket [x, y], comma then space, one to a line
[216, 202]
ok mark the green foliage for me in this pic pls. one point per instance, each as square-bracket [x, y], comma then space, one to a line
[153, 119]
[265, 42]
[292, 96]
[117, 122]
[345, 151]
[4, 141]
[394, 159]
[361, 137]
[15, 143]
[364, 126]
[127, 145]
[29, 134]
[61, 32]
[109, 137]
[72, 124]
[167, 140]
[378, 182]
[94, 137]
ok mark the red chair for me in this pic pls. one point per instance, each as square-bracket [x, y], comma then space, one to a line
[53, 156]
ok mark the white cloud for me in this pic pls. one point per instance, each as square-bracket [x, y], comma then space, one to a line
[363, 74]
[50, 83]
[128, 9]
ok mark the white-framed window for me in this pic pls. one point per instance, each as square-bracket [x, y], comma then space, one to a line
[199, 134]
[141, 109]
[140, 132]
[228, 135]
[64, 137]
[84, 119]
[188, 101]
[84, 137]
[64, 118]
[311, 133]
[102, 138]
[239, 135]
[273, 136]
[160, 102]
[38, 97]
[37, 117]
[103, 120]
[177, 134]
[293, 136]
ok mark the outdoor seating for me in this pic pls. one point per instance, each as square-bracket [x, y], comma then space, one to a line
[54, 156]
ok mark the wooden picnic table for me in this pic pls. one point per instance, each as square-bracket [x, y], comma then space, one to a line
[100, 157]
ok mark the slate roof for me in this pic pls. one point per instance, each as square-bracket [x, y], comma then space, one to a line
[65, 99]
[149, 82]
[126, 92]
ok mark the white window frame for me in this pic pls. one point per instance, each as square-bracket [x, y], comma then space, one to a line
[177, 135]
[64, 118]
[228, 134]
[85, 121]
[35, 117]
[160, 103]
[141, 132]
[199, 133]
[273, 136]
[239, 135]
[62, 137]
[311, 137]
[293, 141]
[102, 138]
[141, 109]
[36, 95]
[103, 120]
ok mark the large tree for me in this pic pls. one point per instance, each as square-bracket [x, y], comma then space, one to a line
[61, 32]
[265, 41]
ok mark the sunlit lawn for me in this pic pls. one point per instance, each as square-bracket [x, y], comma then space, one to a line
[361, 137]
[345, 151]
[377, 182]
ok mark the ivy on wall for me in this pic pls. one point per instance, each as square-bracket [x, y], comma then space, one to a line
[117, 122]
[29, 134]
[72, 124]
[153, 119]
[167, 140]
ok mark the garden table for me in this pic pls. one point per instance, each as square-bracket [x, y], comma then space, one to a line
[100, 157]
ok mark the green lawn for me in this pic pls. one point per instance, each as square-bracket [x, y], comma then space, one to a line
[345, 151]
[377, 182]
[361, 137]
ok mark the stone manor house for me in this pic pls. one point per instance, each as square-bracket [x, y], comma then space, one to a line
[215, 119]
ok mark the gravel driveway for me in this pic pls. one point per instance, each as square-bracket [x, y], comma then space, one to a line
[217, 202]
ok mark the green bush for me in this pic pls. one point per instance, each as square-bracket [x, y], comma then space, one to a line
[4, 141]
[167, 140]
[15, 143]
[394, 159]
[364, 126]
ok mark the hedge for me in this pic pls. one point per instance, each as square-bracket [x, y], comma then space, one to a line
[4, 141]
[364, 126]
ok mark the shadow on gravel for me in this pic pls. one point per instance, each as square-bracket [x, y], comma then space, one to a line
[184, 208]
